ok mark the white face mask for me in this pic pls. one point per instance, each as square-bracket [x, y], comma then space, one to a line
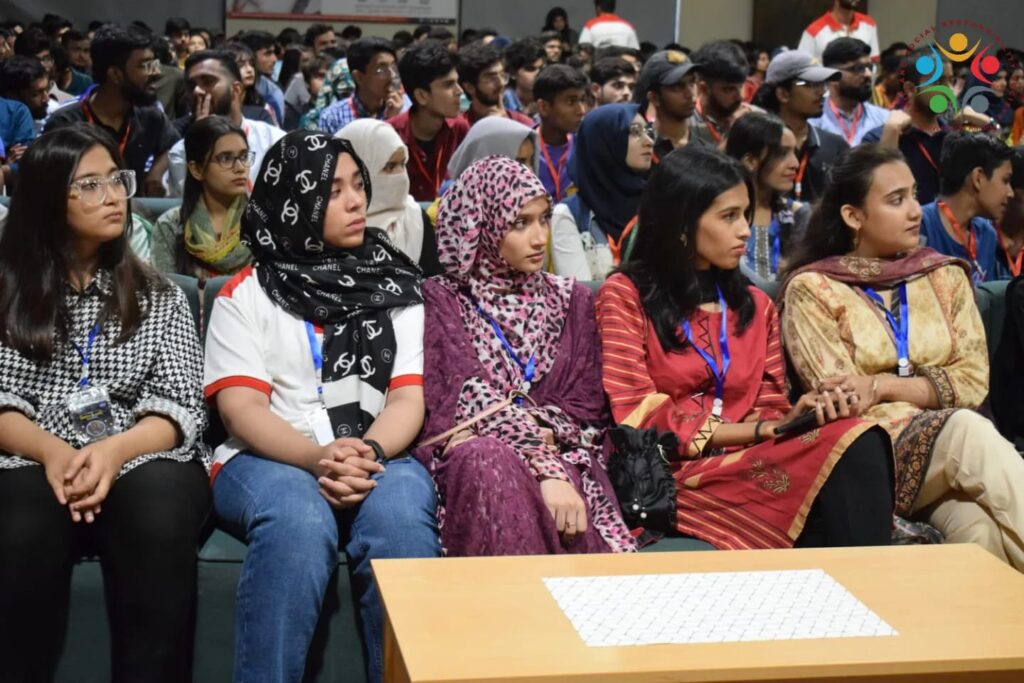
[389, 192]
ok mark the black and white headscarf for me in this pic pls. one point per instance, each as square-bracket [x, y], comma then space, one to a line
[347, 291]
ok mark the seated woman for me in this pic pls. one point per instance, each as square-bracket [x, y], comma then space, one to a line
[529, 479]
[202, 237]
[254, 106]
[393, 209]
[101, 411]
[766, 147]
[493, 135]
[869, 312]
[592, 231]
[688, 347]
[314, 358]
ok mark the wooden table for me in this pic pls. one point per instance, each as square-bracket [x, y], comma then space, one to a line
[958, 610]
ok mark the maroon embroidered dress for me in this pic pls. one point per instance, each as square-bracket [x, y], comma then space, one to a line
[490, 485]
[756, 497]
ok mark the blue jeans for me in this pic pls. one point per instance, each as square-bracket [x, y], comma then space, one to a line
[293, 537]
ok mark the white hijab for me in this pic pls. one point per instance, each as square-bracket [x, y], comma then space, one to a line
[391, 208]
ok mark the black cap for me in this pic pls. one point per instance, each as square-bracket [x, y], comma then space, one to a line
[667, 67]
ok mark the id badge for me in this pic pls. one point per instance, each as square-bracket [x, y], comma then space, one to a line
[320, 424]
[91, 413]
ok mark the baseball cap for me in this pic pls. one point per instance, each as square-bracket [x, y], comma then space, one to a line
[796, 64]
[666, 67]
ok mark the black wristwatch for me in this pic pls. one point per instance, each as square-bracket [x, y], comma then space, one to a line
[377, 449]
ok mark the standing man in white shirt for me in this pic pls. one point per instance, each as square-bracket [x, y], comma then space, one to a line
[842, 21]
[607, 28]
[215, 85]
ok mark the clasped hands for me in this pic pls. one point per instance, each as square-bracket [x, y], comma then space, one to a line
[81, 478]
[344, 469]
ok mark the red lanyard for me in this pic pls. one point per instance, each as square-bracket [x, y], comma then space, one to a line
[1014, 263]
[556, 171]
[927, 156]
[87, 110]
[436, 179]
[798, 181]
[967, 240]
[851, 132]
[712, 128]
[616, 247]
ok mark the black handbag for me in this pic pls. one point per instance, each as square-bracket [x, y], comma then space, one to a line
[640, 473]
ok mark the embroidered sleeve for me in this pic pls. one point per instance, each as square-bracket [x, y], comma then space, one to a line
[634, 397]
[962, 381]
[812, 335]
[172, 387]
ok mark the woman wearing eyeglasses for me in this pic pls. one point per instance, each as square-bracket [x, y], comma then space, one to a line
[591, 232]
[201, 238]
[101, 409]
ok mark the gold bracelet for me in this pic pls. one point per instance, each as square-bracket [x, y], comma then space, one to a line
[874, 389]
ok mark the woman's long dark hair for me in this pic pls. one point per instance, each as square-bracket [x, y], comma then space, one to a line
[549, 21]
[680, 189]
[200, 140]
[291, 64]
[849, 183]
[760, 136]
[37, 250]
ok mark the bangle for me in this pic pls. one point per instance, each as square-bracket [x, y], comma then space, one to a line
[757, 431]
[874, 389]
[377, 449]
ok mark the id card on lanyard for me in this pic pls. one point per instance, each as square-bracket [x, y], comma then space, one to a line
[89, 404]
[723, 342]
[318, 421]
[528, 368]
[900, 329]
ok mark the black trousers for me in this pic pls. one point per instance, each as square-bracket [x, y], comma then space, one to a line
[855, 505]
[146, 537]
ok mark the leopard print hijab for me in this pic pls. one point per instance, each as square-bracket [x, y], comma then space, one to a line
[474, 216]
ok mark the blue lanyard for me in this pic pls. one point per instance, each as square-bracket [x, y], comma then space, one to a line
[775, 232]
[529, 368]
[84, 354]
[318, 360]
[900, 332]
[723, 342]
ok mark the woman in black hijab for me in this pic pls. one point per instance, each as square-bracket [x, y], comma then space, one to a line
[314, 360]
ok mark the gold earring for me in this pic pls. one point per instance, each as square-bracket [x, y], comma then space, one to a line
[856, 239]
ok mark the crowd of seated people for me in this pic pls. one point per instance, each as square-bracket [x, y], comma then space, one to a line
[445, 275]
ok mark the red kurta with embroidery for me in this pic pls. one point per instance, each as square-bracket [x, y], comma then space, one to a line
[757, 497]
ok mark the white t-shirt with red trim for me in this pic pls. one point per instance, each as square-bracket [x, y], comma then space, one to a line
[609, 29]
[826, 28]
[252, 342]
